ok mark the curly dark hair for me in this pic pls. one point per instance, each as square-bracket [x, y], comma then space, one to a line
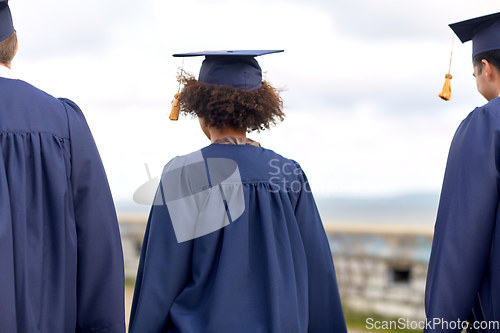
[222, 106]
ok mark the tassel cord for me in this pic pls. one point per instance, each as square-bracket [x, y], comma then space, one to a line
[445, 94]
[174, 113]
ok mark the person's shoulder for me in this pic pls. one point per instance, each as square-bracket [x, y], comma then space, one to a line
[19, 86]
[57, 103]
[250, 156]
[492, 108]
[275, 165]
[282, 159]
[31, 94]
[32, 109]
[485, 118]
[71, 106]
[181, 161]
[479, 127]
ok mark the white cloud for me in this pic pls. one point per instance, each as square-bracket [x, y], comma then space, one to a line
[362, 80]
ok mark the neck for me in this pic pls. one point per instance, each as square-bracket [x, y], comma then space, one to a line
[5, 65]
[496, 93]
[493, 93]
[217, 133]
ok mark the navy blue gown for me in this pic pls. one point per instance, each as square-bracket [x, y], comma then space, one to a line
[464, 268]
[264, 267]
[61, 264]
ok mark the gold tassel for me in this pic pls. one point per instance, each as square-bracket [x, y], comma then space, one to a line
[174, 114]
[446, 92]
[176, 106]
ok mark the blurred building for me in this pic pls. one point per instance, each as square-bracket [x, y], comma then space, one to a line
[132, 228]
[381, 268]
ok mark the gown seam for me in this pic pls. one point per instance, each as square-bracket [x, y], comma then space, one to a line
[245, 183]
[491, 113]
[55, 135]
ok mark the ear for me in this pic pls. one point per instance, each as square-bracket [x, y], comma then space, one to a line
[488, 70]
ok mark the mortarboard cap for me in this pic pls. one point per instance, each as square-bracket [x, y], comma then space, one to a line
[237, 69]
[6, 25]
[484, 32]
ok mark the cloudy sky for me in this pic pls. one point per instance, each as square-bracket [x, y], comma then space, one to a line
[361, 80]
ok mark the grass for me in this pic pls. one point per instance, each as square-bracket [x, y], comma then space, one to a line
[354, 319]
[130, 282]
[358, 321]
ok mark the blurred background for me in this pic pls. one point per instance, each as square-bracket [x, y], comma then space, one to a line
[361, 80]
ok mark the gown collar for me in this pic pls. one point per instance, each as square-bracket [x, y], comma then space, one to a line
[233, 140]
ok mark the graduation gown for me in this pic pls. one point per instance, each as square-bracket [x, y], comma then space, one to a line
[61, 264]
[464, 268]
[266, 268]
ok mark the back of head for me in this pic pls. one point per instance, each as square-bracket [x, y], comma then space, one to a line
[484, 32]
[8, 37]
[222, 105]
[230, 91]
[8, 48]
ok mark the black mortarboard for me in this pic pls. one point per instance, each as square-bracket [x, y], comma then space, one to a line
[6, 25]
[237, 69]
[484, 32]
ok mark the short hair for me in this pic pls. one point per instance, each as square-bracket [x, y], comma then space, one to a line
[493, 57]
[222, 106]
[8, 48]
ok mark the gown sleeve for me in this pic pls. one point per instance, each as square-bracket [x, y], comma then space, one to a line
[164, 270]
[465, 220]
[100, 274]
[325, 309]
